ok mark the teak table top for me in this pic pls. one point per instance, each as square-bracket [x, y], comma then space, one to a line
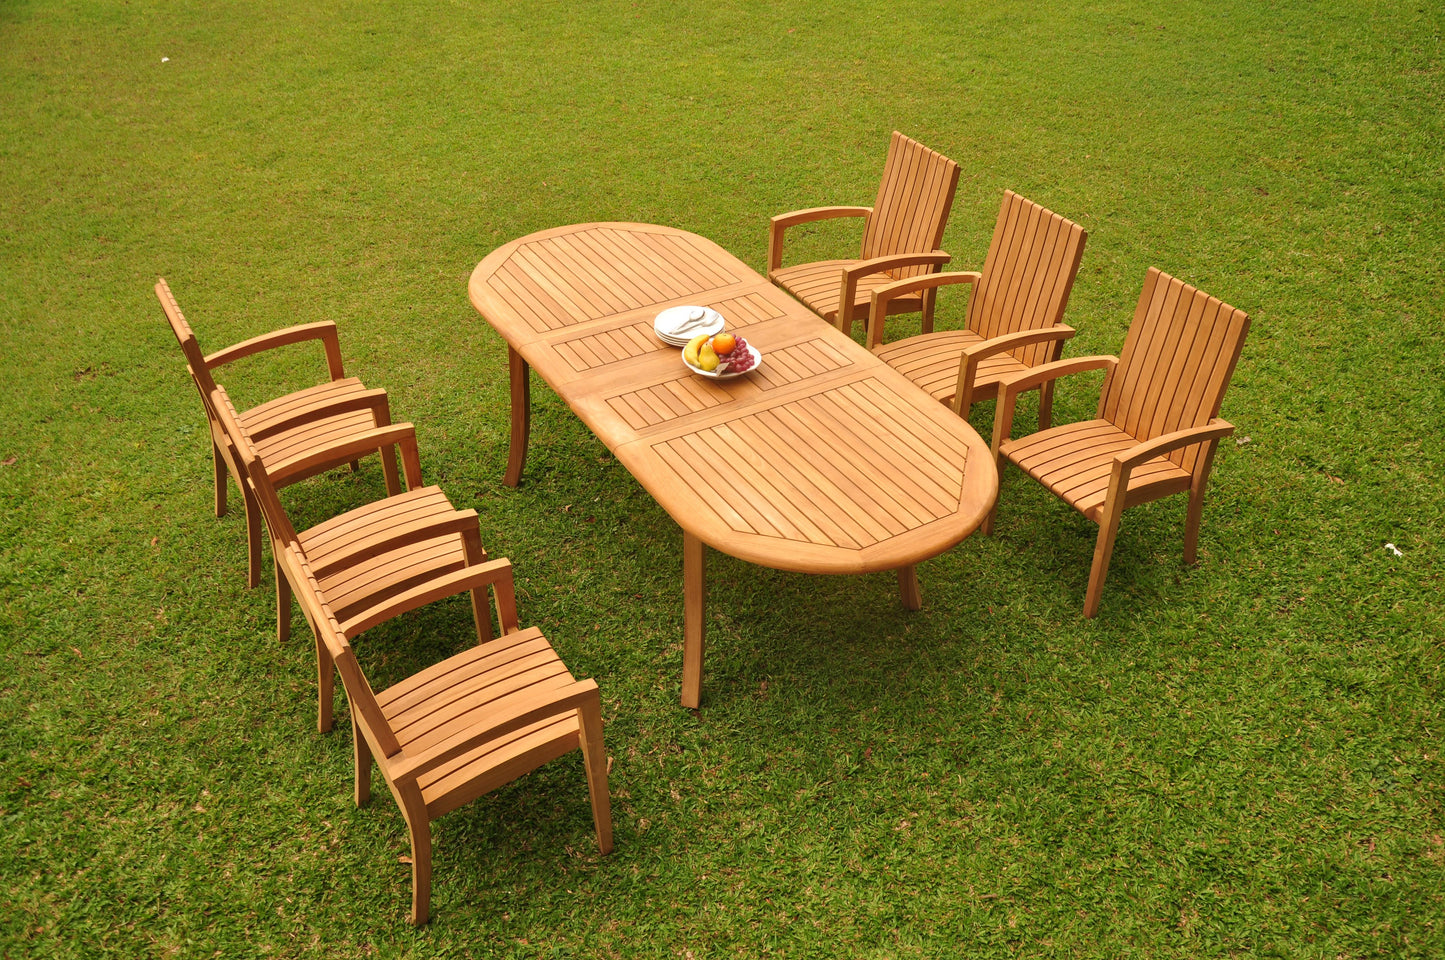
[823, 460]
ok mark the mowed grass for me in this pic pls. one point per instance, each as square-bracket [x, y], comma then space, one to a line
[1235, 760]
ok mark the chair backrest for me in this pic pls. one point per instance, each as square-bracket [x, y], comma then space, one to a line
[914, 199]
[190, 346]
[256, 476]
[365, 708]
[1027, 275]
[1176, 364]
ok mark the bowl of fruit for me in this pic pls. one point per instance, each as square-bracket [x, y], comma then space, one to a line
[720, 356]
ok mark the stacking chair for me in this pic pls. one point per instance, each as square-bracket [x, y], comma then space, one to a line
[1157, 426]
[288, 428]
[901, 234]
[1014, 312]
[467, 725]
[370, 556]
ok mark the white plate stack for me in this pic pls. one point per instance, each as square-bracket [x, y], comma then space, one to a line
[677, 325]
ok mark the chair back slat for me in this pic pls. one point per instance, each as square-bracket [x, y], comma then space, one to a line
[1178, 358]
[190, 346]
[1027, 275]
[914, 199]
[256, 476]
[365, 708]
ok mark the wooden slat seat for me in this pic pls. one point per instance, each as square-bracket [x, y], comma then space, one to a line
[285, 429]
[344, 545]
[284, 448]
[818, 285]
[447, 698]
[901, 235]
[467, 725]
[1157, 425]
[263, 417]
[1075, 461]
[1015, 311]
[932, 362]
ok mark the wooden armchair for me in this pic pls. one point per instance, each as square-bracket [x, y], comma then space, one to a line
[288, 427]
[1014, 313]
[901, 234]
[368, 557]
[1157, 426]
[467, 725]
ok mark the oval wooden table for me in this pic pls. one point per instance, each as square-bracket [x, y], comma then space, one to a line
[823, 460]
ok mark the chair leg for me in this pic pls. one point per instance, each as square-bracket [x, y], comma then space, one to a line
[419, 827]
[1046, 405]
[218, 468]
[1046, 389]
[930, 296]
[388, 470]
[1196, 504]
[1003, 418]
[325, 687]
[1191, 527]
[283, 605]
[475, 553]
[361, 753]
[253, 539]
[1103, 550]
[594, 755]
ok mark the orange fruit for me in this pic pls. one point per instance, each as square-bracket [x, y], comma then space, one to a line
[723, 344]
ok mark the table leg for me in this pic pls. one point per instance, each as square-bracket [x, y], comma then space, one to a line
[694, 612]
[908, 593]
[521, 416]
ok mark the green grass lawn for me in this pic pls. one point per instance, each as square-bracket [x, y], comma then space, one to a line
[1241, 759]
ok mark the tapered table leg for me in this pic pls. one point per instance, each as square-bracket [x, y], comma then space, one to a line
[521, 416]
[694, 612]
[908, 593]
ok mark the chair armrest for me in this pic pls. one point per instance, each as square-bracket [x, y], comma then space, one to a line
[1009, 389]
[325, 331]
[863, 268]
[492, 573]
[851, 275]
[374, 400]
[972, 355]
[783, 221]
[401, 534]
[402, 435]
[1020, 338]
[878, 302]
[538, 706]
[1214, 430]
[1116, 498]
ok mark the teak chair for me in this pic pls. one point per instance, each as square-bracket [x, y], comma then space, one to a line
[367, 557]
[901, 234]
[467, 725]
[1157, 426]
[287, 428]
[1014, 312]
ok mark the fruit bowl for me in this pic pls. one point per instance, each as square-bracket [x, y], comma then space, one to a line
[727, 374]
